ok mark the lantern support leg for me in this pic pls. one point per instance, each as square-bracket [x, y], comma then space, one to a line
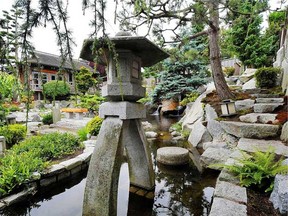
[101, 189]
[138, 155]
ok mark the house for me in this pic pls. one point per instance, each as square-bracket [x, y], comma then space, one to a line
[45, 67]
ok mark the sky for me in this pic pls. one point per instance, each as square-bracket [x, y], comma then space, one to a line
[44, 39]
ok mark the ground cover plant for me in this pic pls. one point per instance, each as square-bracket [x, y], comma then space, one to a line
[94, 125]
[33, 155]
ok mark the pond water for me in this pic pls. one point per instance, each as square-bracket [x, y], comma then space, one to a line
[179, 191]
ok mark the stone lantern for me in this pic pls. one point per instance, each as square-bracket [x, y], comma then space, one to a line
[121, 128]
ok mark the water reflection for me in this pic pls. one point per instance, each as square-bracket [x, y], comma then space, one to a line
[179, 191]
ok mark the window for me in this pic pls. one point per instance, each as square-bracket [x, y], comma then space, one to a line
[52, 77]
[135, 69]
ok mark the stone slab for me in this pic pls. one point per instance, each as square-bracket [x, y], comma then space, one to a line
[269, 100]
[284, 133]
[123, 109]
[253, 145]
[55, 169]
[250, 130]
[172, 155]
[72, 163]
[231, 192]
[224, 207]
[85, 156]
[214, 144]
[199, 134]
[21, 196]
[266, 107]
[225, 175]
[263, 118]
[244, 104]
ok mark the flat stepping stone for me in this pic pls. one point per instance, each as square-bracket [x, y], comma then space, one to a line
[269, 100]
[253, 145]
[172, 156]
[266, 107]
[250, 130]
[263, 118]
[265, 95]
[231, 192]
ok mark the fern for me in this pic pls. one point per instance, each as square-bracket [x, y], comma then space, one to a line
[257, 169]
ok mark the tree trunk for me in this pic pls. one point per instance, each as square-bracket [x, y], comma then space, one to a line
[221, 86]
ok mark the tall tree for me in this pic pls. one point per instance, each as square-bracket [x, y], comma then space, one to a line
[178, 13]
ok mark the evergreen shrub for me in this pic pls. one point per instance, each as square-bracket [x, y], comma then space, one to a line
[94, 125]
[266, 77]
[47, 119]
[13, 133]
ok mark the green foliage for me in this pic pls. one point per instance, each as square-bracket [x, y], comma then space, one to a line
[13, 108]
[84, 80]
[91, 102]
[177, 127]
[258, 169]
[266, 77]
[191, 97]
[82, 133]
[13, 134]
[31, 155]
[94, 125]
[56, 88]
[8, 85]
[47, 119]
[245, 39]
[229, 71]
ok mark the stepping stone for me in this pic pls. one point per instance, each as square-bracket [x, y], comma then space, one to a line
[269, 100]
[266, 107]
[253, 145]
[250, 130]
[258, 118]
[172, 155]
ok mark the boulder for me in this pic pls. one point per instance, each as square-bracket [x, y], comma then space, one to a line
[214, 144]
[251, 84]
[284, 133]
[247, 75]
[244, 104]
[199, 134]
[250, 130]
[266, 107]
[279, 195]
[146, 125]
[214, 156]
[258, 118]
[172, 156]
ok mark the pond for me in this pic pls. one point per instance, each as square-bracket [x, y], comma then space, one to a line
[179, 191]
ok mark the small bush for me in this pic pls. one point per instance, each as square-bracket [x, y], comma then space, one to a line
[257, 169]
[189, 98]
[177, 127]
[229, 71]
[47, 119]
[94, 125]
[56, 88]
[266, 77]
[31, 155]
[14, 108]
[82, 133]
[13, 134]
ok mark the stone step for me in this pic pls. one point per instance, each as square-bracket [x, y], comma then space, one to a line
[263, 118]
[250, 130]
[266, 107]
[269, 100]
[214, 156]
[253, 145]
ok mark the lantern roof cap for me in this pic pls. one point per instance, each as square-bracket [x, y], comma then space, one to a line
[149, 53]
